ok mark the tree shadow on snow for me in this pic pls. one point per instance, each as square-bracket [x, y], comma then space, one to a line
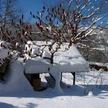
[98, 89]
[5, 105]
[31, 105]
[68, 90]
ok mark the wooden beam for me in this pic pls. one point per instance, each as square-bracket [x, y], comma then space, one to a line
[73, 73]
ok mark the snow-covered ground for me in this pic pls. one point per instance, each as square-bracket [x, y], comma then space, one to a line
[93, 95]
[90, 91]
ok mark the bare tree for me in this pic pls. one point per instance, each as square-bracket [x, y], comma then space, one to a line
[10, 21]
[70, 21]
[9, 15]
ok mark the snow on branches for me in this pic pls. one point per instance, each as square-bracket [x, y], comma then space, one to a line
[66, 22]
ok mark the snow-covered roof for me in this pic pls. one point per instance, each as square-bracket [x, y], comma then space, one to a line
[71, 61]
[72, 52]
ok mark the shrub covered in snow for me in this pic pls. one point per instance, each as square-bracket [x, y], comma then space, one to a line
[31, 50]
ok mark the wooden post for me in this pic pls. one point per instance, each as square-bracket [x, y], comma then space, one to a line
[73, 73]
[36, 82]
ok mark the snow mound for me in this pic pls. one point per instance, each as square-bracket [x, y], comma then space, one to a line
[17, 82]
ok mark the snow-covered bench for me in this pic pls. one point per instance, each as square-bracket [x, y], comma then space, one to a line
[68, 61]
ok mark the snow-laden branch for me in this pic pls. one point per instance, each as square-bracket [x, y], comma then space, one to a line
[84, 31]
[84, 36]
[91, 14]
